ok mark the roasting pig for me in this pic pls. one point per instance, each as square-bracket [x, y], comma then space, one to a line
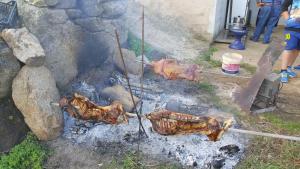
[82, 108]
[166, 122]
[171, 69]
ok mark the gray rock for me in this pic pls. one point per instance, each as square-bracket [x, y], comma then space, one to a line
[13, 129]
[54, 16]
[74, 13]
[33, 91]
[114, 9]
[42, 3]
[60, 38]
[91, 7]
[119, 93]
[26, 47]
[39, 3]
[133, 67]
[9, 67]
[51, 2]
[120, 25]
[91, 24]
[96, 50]
[66, 4]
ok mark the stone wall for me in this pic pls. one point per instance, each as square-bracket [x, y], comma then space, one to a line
[76, 34]
[79, 34]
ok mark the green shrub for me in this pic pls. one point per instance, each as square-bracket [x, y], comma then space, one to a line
[27, 155]
[135, 45]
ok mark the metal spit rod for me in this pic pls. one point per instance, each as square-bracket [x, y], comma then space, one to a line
[129, 86]
[248, 132]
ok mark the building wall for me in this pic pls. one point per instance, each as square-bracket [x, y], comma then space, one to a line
[197, 16]
[218, 15]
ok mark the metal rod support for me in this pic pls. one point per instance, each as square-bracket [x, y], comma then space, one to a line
[293, 138]
[128, 83]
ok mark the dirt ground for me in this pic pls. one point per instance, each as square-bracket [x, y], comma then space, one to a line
[265, 152]
[68, 155]
[288, 101]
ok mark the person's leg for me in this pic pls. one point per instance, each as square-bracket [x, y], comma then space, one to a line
[288, 55]
[296, 55]
[291, 61]
[286, 59]
[274, 17]
[263, 17]
[297, 67]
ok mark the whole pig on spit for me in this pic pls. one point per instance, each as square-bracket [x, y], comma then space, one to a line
[81, 107]
[171, 69]
[166, 122]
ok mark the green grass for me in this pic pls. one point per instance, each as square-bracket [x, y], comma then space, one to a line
[135, 45]
[206, 87]
[272, 153]
[130, 161]
[292, 127]
[27, 155]
[207, 57]
[268, 153]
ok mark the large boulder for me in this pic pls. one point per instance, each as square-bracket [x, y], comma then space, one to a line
[9, 67]
[133, 66]
[26, 47]
[119, 93]
[60, 38]
[33, 91]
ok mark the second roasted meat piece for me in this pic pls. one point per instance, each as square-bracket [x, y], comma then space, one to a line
[171, 69]
[82, 108]
[171, 123]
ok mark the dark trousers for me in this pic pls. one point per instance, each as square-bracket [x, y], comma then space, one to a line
[268, 17]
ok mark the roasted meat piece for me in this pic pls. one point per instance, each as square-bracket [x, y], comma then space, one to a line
[171, 69]
[170, 123]
[82, 108]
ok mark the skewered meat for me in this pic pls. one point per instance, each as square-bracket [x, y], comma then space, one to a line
[82, 108]
[171, 69]
[170, 123]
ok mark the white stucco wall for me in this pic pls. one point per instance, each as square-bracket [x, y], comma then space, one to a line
[218, 14]
[197, 16]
